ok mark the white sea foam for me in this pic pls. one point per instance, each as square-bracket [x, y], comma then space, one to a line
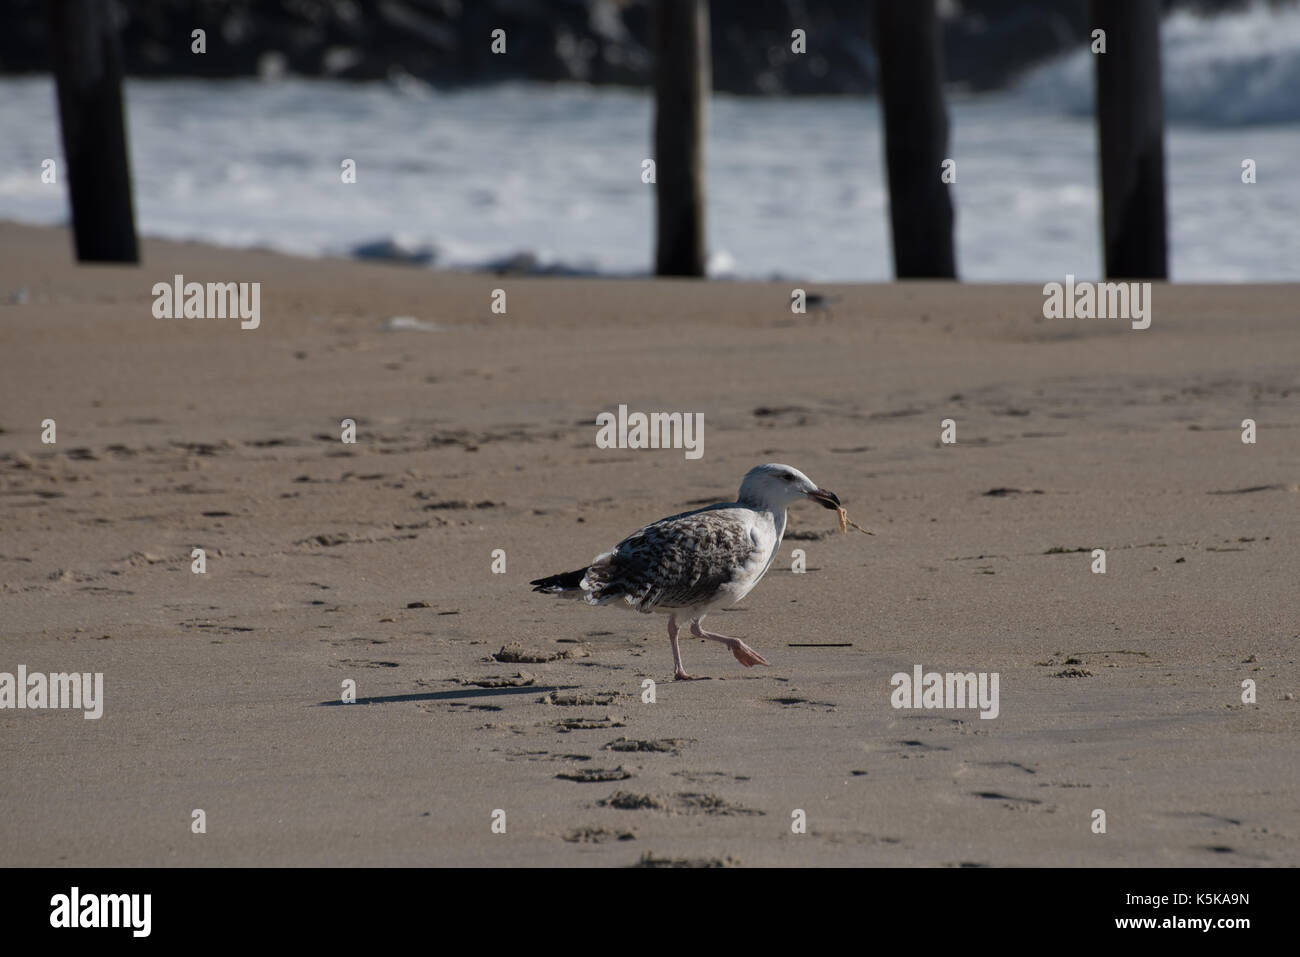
[549, 176]
[1235, 69]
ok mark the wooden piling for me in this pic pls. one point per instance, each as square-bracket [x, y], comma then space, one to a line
[679, 31]
[88, 74]
[1130, 131]
[909, 50]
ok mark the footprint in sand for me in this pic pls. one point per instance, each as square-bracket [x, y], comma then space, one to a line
[589, 724]
[363, 663]
[792, 702]
[660, 745]
[597, 835]
[595, 775]
[1011, 802]
[521, 679]
[707, 777]
[576, 699]
[650, 860]
[514, 654]
[689, 802]
[914, 746]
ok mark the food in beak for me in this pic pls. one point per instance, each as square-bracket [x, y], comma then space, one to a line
[831, 500]
[827, 499]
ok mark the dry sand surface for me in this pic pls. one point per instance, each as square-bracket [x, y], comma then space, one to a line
[373, 562]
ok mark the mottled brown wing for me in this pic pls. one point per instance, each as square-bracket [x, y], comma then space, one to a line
[678, 562]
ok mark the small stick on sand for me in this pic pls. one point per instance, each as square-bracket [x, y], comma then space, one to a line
[845, 522]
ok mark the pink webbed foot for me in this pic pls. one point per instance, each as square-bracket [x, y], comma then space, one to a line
[746, 655]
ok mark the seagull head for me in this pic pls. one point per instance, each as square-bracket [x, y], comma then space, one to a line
[777, 486]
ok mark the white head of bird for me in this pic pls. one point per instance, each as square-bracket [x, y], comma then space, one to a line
[779, 486]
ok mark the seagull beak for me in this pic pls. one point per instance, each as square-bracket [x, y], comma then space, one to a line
[825, 498]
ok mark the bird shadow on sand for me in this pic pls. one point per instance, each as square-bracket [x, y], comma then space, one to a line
[449, 695]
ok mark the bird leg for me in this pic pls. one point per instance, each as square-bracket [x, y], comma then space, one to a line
[679, 673]
[746, 655]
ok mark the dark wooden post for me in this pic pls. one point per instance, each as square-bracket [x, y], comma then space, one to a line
[1130, 131]
[909, 48]
[88, 72]
[679, 31]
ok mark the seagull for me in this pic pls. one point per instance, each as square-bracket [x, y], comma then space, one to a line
[817, 301]
[686, 565]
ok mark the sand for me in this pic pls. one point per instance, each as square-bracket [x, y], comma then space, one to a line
[372, 562]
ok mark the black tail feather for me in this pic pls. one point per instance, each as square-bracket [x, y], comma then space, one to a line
[566, 581]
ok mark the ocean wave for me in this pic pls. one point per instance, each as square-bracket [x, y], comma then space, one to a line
[1233, 69]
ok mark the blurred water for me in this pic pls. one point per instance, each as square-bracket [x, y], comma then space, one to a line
[796, 186]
